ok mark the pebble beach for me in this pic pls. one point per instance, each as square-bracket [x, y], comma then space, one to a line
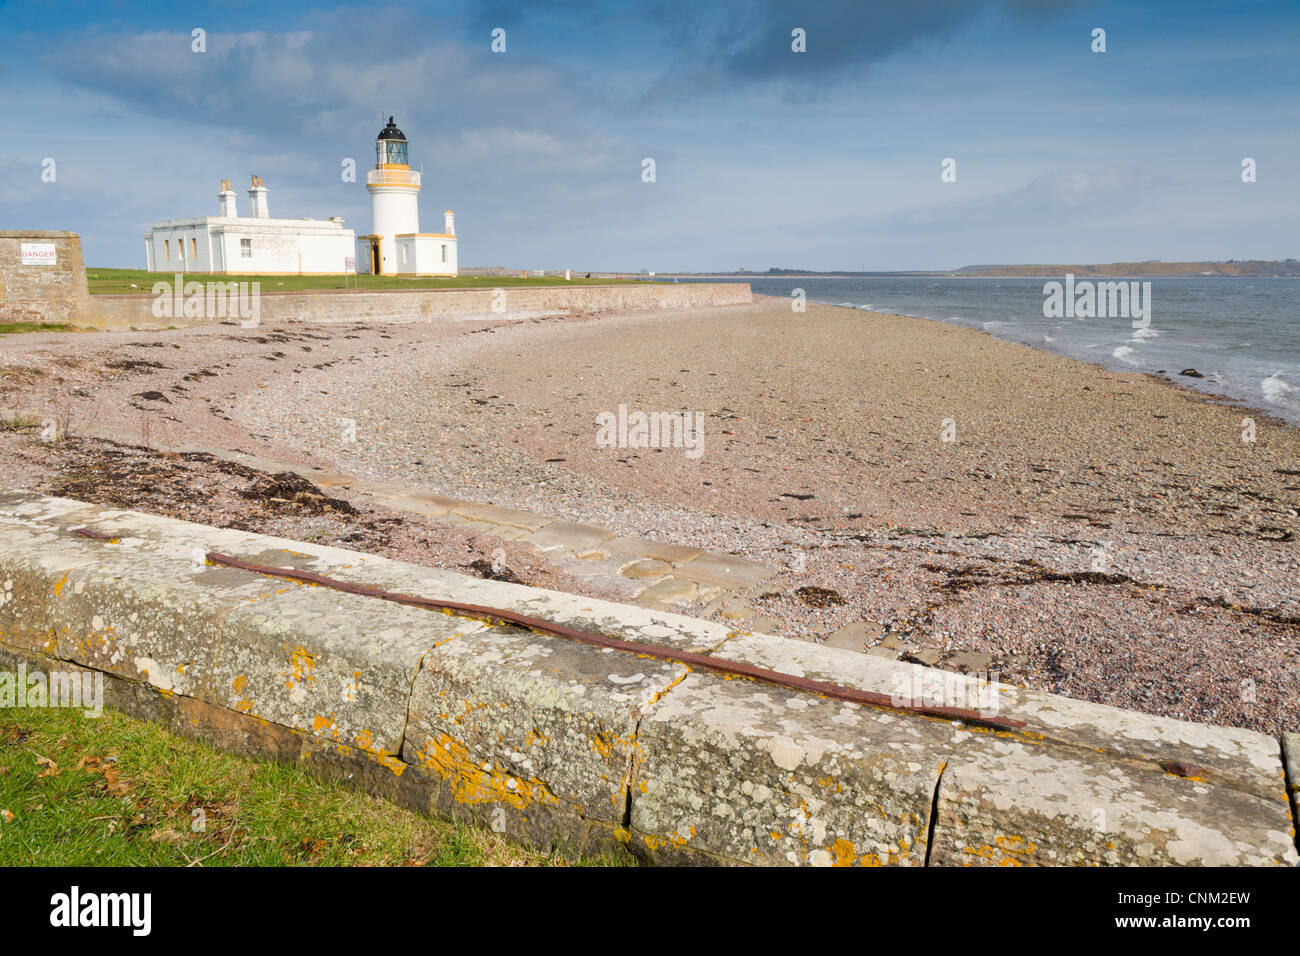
[943, 495]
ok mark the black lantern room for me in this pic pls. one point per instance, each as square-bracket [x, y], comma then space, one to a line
[390, 146]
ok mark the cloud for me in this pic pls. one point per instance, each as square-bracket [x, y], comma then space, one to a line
[720, 47]
[1061, 199]
[332, 80]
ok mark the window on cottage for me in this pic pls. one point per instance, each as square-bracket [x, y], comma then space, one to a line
[194, 247]
[444, 252]
[167, 252]
[246, 248]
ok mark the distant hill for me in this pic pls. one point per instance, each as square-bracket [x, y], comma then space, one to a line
[1152, 267]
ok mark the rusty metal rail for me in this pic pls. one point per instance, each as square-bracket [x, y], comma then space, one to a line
[690, 659]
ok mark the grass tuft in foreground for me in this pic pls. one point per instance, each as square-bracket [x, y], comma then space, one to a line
[116, 791]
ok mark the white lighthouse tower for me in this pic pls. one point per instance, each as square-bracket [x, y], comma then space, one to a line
[396, 246]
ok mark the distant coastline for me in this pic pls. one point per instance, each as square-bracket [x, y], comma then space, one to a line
[1259, 268]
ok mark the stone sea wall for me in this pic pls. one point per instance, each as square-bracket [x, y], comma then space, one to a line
[559, 743]
[429, 305]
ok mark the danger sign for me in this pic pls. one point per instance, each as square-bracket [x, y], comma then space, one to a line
[39, 254]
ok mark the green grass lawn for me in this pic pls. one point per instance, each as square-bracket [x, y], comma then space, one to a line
[8, 328]
[115, 791]
[104, 281]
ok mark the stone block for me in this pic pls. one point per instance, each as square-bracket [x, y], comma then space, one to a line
[543, 729]
[749, 773]
[1005, 802]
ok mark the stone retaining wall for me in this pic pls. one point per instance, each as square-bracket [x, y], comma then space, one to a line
[427, 305]
[52, 291]
[559, 743]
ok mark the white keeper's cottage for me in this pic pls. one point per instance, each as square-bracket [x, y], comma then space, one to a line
[255, 244]
[396, 246]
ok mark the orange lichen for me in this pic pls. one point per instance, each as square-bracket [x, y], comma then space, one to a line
[474, 782]
[302, 667]
[842, 853]
[240, 685]
[1010, 851]
[320, 723]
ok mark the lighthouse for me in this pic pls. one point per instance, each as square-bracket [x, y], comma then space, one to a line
[395, 245]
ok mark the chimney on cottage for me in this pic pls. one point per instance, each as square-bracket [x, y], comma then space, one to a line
[257, 200]
[226, 201]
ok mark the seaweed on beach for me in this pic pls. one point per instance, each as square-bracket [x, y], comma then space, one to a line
[492, 572]
[289, 492]
[819, 597]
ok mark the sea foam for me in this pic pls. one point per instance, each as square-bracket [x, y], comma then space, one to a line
[1276, 389]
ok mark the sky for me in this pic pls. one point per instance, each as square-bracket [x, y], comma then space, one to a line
[825, 159]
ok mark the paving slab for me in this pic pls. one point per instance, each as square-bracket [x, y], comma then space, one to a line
[379, 490]
[970, 662]
[416, 505]
[435, 500]
[645, 548]
[926, 656]
[506, 516]
[853, 636]
[326, 479]
[724, 571]
[669, 591]
[607, 570]
[714, 603]
[647, 568]
[576, 537]
[486, 527]
[738, 611]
